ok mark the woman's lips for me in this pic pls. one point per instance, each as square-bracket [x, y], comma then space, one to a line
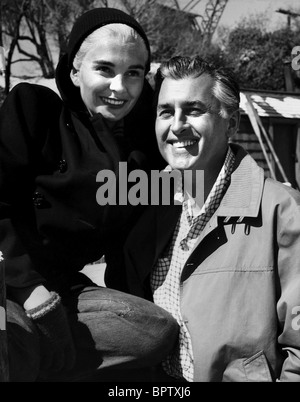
[113, 102]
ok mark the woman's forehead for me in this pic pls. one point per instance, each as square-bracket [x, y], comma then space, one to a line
[113, 44]
[114, 51]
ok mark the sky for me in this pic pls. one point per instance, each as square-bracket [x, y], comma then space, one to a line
[236, 10]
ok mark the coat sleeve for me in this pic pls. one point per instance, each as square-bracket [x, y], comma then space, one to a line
[23, 116]
[288, 306]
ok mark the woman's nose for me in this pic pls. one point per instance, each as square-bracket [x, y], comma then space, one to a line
[117, 84]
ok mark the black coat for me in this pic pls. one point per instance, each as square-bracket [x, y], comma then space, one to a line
[50, 153]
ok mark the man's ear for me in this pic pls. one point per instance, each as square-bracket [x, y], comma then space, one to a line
[74, 75]
[233, 123]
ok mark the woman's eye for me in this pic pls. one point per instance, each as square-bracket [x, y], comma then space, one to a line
[134, 73]
[103, 69]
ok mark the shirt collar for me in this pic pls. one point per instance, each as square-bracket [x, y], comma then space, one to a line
[218, 187]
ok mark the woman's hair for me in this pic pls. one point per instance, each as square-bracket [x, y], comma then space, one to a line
[121, 31]
[226, 89]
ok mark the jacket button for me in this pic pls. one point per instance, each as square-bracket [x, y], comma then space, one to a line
[38, 200]
[62, 166]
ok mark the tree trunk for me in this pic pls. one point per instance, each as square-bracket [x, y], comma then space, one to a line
[46, 61]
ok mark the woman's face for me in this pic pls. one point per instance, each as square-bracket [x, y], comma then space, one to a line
[111, 77]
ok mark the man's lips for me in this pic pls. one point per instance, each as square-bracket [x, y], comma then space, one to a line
[183, 143]
[113, 102]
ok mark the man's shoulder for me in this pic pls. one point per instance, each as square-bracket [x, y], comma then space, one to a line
[281, 191]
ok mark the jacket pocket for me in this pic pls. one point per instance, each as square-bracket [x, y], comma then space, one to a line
[253, 369]
[257, 369]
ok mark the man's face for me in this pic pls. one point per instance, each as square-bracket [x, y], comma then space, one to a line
[111, 77]
[190, 132]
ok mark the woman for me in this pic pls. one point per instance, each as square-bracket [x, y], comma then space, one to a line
[61, 325]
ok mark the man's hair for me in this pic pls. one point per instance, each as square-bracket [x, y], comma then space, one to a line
[226, 89]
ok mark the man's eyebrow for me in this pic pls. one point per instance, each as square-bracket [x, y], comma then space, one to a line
[197, 103]
[162, 106]
[110, 64]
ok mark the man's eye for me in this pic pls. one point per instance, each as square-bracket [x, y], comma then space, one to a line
[165, 114]
[195, 112]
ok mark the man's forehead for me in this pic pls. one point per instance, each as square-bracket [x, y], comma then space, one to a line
[186, 89]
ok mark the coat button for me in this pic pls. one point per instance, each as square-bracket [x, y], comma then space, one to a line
[62, 166]
[38, 200]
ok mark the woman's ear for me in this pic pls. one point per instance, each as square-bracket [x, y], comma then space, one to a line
[74, 75]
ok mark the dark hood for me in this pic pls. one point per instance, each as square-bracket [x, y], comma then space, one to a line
[139, 123]
[68, 92]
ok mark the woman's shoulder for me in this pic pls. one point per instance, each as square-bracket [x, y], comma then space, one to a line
[31, 102]
[25, 90]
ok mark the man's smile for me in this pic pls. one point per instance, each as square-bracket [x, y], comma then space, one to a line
[183, 144]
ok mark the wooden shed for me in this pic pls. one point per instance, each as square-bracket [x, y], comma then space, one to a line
[279, 113]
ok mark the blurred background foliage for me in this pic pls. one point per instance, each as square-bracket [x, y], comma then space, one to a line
[37, 31]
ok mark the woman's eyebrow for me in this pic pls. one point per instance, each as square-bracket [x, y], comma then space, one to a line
[137, 67]
[110, 64]
[103, 62]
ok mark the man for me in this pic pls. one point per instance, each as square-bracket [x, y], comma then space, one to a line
[228, 270]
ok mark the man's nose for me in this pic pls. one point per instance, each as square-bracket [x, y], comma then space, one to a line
[117, 83]
[179, 123]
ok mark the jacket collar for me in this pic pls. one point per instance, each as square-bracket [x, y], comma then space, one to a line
[243, 196]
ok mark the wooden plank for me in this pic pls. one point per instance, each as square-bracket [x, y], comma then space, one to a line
[253, 119]
[4, 375]
[241, 136]
[273, 151]
[254, 146]
[257, 123]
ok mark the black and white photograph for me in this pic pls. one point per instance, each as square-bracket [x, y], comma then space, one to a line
[149, 194]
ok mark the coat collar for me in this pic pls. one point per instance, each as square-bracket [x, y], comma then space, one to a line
[244, 193]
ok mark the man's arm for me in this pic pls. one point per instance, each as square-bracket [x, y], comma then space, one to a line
[288, 238]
